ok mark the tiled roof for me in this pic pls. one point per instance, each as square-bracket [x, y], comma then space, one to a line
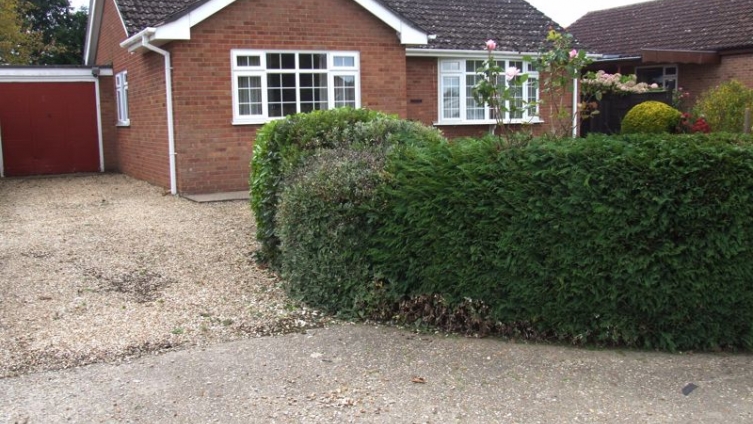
[667, 24]
[466, 24]
[140, 14]
[458, 24]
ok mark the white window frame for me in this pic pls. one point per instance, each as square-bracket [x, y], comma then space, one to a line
[121, 99]
[456, 67]
[665, 77]
[261, 71]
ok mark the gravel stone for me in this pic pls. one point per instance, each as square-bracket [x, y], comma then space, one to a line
[102, 267]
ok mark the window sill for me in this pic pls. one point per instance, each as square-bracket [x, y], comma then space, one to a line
[490, 122]
[258, 121]
[124, 123]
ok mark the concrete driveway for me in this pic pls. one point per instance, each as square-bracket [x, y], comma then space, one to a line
[361, 373]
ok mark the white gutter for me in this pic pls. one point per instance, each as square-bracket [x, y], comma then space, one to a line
[137, 39]
[169, 104]
[414, 52]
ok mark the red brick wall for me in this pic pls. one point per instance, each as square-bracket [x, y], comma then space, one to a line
[696, 79]
[108, 115]
[423, 95]
[423, 98]
[214, 155]
[142, 148]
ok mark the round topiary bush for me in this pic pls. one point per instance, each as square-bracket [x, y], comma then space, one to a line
[650, 117]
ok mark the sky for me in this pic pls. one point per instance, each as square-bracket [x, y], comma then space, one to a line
[564, 12]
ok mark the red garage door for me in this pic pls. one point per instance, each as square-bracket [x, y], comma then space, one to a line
[48, 128]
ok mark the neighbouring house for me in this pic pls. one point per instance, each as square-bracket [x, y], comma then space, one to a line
[194, 80]
[693, 44]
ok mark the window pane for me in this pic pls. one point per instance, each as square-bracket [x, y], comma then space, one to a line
[345, 61]
[451, 97]
[280, 61]
[248, 61]
[281, 93]
[305, 61]
[533, 95]
[450, 66]
[472, 66]
[516, 103]
[289, 95]
[345, 91]
[313, 92]
[288, 109]
[288, 61]
[650, 75]
[249, 96]
[312, 61]
[474, 111]
[288, 80]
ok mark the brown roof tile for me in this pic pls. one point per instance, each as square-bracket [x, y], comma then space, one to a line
[466, 24]
[667, 24]
[458, 24]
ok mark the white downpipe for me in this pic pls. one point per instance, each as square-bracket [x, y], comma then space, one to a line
[576, 98]
[169, 104]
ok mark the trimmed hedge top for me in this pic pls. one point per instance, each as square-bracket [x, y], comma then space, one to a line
[633, 240]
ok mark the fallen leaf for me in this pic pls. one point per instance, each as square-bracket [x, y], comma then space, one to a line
[420, 380]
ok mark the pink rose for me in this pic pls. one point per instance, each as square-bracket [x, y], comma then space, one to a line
[511, 73]
[654, 86]
[491, 45]
[573, 53]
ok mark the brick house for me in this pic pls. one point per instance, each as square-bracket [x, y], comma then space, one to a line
[194, 80]
[693, 44]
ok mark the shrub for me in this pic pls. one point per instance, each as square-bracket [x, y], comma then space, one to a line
[651, 117]
[636, 240]
[724, 106]
[324, 229]
[281, 145]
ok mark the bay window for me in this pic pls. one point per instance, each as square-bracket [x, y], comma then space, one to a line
[457, 77]
[273, 84]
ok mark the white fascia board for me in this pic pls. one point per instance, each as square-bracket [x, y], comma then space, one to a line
[180, 29]
[408, 33]
[120, 15]
[50, 75]
[90, 36]
[464, 53]
[176, 30]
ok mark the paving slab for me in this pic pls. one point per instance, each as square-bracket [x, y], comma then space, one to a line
[374, 374]
[218, 197]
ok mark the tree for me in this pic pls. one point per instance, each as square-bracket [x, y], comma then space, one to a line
[62, 31]
[41, 32]
[16, 44]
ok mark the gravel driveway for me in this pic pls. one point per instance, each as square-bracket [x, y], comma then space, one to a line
[101, 267]
[104, 268]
